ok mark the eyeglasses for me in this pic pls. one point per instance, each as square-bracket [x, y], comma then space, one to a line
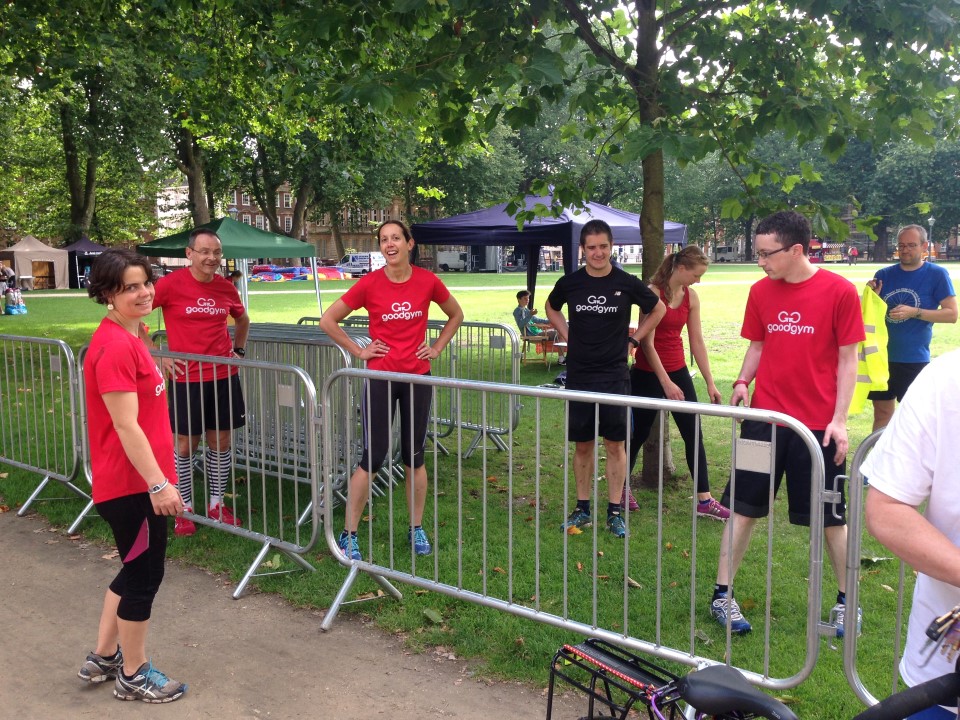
[208, 253]
[907, 246]
[764, 254]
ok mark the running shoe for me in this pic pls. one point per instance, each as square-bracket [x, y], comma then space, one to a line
[723, 607]
[421, 543]
[627, 500]
[837, 614]
[712, 509]
[184, 527]
[98, 669]
[148, 685]
[578, 519]
[222, 513]
[349, 546]
[616, 526]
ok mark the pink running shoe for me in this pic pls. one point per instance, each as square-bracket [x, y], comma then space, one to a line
[182, 527]
[712, 509]
[631, 504]
[222, 513]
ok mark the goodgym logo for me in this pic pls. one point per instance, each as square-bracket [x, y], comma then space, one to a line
[206, 306]
[401, 311]
[596, 304]
[790, 323]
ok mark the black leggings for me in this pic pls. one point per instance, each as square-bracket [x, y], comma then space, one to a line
[141, 538]
[386, 399]
[646, 384]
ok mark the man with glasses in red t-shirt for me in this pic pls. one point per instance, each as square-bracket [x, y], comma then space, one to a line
[206, 398]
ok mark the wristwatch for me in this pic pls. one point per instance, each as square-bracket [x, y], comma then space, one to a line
[240, 351]
[158, 487]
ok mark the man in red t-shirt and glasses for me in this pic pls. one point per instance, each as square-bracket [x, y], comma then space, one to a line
[803, 324]
[206, 398]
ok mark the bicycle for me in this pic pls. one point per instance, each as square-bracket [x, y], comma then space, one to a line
[619, 681]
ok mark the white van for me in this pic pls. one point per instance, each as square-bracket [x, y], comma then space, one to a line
[726, 253]
[448, 260]
[359, 264]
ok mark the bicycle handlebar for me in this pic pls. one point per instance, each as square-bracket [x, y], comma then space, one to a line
[939, 691]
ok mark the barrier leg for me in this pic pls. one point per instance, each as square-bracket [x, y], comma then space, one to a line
[341, 598]
[80, 518]
[261, 556]
[43, 484]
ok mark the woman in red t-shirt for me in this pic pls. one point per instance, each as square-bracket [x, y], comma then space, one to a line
[660, 367]
[397, 299]
[134, 486]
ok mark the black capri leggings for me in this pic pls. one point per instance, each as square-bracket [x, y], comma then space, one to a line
[646, 384]
[382, 401]
[141, 538]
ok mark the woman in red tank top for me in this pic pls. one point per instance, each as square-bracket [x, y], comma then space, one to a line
[660, 368]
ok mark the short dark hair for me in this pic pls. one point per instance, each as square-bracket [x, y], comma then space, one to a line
[403, 228]
[790, 228]
[595, 227]
[522, 294]
[197, 232]
[106, 273]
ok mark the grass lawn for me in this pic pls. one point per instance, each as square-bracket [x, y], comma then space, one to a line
[506, 645]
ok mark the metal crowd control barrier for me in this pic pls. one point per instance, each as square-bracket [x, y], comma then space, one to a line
[38, 424]
[276, 500]
[495, 524]
[488, 352]
[855, 591]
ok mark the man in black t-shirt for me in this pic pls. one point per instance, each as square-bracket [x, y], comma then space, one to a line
[601, 298]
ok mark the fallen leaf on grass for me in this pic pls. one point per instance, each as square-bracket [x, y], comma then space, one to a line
[4, 475]
[599, 553]
[887, 588]
[633, 583]
[519, 642]
[53, 542]
[703, 637]
[4, 508]
[500, 570]
[433, 616]
[579, 567]
[669, 546]
[273, 562]
[574, 530]
[111, 555]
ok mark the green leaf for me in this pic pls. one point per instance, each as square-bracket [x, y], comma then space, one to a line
[433, 616]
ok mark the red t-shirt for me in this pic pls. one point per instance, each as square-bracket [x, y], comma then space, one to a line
[116, 361]
[196, 314]
[802, 326]
[666, 339]
[398, 315]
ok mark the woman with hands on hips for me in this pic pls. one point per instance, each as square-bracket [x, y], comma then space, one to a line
[397, 298]
[660, 368]
[134, 480]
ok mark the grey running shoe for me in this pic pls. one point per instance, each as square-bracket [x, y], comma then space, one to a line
[837, 617]
[722, 607]
[578, 519]
[148, 685]
[616, 526]
[98, 669]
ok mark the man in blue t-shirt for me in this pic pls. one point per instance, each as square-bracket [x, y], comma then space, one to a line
[600, 300]
[917, 294]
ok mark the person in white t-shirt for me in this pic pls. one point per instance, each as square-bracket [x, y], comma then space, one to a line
[916, 461]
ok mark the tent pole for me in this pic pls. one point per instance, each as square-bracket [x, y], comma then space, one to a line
[244, 288]
[316, 282]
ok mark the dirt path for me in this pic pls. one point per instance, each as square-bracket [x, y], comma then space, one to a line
[250, 658]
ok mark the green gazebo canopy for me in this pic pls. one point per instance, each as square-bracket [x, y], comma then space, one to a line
[239, 240]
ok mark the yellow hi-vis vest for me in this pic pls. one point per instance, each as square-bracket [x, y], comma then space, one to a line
[873, 373]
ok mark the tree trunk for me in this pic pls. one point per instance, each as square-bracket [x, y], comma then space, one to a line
[650, 475]
[81, 186]
[337, 239]
[190, 161]
[300, 204]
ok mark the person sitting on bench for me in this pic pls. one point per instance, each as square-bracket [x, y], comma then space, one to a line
[530, 324]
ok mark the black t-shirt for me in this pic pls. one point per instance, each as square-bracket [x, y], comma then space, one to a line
[599, 318]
